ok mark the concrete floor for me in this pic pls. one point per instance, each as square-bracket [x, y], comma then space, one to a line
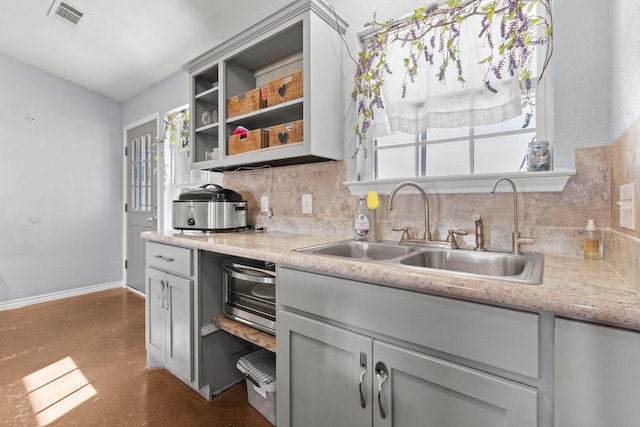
[81, 362]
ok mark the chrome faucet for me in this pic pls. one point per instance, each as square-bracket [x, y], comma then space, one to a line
[479, 233]
[427, 234]
[516, 240]
[451, 238]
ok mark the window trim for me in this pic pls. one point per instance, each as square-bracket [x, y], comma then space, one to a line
[526, 182]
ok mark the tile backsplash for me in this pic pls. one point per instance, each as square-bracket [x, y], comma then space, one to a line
[555, 220]
[622, 246]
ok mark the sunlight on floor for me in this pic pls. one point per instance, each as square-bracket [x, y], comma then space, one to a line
[56, 390]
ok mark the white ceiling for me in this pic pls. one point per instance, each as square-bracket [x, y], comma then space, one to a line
[122, 47]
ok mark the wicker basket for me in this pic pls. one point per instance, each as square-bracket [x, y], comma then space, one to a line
[284, 88]
[250, 141]
[286, 133]
[245, 103]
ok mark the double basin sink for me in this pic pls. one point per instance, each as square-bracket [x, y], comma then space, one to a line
[525, 268]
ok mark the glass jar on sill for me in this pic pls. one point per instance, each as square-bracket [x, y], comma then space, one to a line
[538, 156]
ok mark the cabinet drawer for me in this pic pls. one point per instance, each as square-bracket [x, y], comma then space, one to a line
[169, 258]
[499, 337]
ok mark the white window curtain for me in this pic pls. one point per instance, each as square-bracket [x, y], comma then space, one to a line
[430, 102]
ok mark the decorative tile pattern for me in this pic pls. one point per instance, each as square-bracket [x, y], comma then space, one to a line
[555, 220]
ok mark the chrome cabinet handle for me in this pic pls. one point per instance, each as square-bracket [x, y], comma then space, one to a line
[164, 258]
[382, 374]
[363, 371]
[161, 294]
[166, 296]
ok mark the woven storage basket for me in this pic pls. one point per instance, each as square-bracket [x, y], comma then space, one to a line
[286, 133]
[245, 103]
[284, 88]
[250, 141]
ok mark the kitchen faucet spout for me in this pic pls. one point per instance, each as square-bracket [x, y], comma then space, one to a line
[516, 240]
[427, 234]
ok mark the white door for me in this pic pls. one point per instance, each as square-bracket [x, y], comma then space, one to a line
[142, 194]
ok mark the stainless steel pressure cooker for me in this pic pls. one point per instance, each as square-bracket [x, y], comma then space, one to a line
[210, 208]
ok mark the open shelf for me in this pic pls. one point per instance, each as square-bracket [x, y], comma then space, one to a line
[302, 39]
[247, 333]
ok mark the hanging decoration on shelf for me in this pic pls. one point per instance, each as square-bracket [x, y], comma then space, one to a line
[509, 32]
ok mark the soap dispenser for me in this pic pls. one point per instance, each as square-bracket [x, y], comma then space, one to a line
[592, 242]
[361, 222]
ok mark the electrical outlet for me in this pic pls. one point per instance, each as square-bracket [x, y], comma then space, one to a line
[264, 203]
[306, 204]
[627, 206]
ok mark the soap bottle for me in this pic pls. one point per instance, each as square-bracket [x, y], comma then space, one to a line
[361, 223]
[592, 242]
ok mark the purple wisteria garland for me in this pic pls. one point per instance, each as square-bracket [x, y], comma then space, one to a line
[434, 37]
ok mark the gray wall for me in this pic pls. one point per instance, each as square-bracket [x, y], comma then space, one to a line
[60, 184]
[171, 93]
[581, 85]
[624, 48]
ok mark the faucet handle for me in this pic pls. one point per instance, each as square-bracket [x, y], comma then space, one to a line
[451, 238]
[518, 241]
[405, 233]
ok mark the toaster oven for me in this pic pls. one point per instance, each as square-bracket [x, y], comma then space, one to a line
[249, 288]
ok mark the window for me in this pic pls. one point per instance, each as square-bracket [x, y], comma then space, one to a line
[492, 140]
[456, 151]
[178, 177]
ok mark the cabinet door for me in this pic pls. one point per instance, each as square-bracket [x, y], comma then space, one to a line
[319, 374]
[155, 328]
[422, 390]
[597, 375]
[179, 341]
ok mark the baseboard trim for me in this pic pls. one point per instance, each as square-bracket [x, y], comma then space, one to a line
[23, 302]
[135, 291]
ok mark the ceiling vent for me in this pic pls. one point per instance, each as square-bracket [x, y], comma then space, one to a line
[66, 13]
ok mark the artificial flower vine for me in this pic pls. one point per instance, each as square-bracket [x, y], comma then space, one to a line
[434, 37]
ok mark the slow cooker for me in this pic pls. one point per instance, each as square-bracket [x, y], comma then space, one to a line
[210, 208]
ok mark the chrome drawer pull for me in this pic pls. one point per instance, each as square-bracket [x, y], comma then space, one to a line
[164, 258]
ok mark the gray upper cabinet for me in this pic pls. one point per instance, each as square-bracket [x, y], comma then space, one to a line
[597, 375]
[281, 80]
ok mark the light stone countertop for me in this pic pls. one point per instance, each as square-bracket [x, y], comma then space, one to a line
[572, 287]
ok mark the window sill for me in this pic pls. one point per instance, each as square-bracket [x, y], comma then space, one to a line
[526, 182]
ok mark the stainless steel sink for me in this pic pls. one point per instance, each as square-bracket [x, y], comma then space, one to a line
[526, 268]
[488, 264]
[362, 250]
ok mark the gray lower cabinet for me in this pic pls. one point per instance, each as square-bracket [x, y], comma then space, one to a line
[323, 364]
[597, 375]
[337, 364]
[183, 293]
[424, 390]
[169, 327]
